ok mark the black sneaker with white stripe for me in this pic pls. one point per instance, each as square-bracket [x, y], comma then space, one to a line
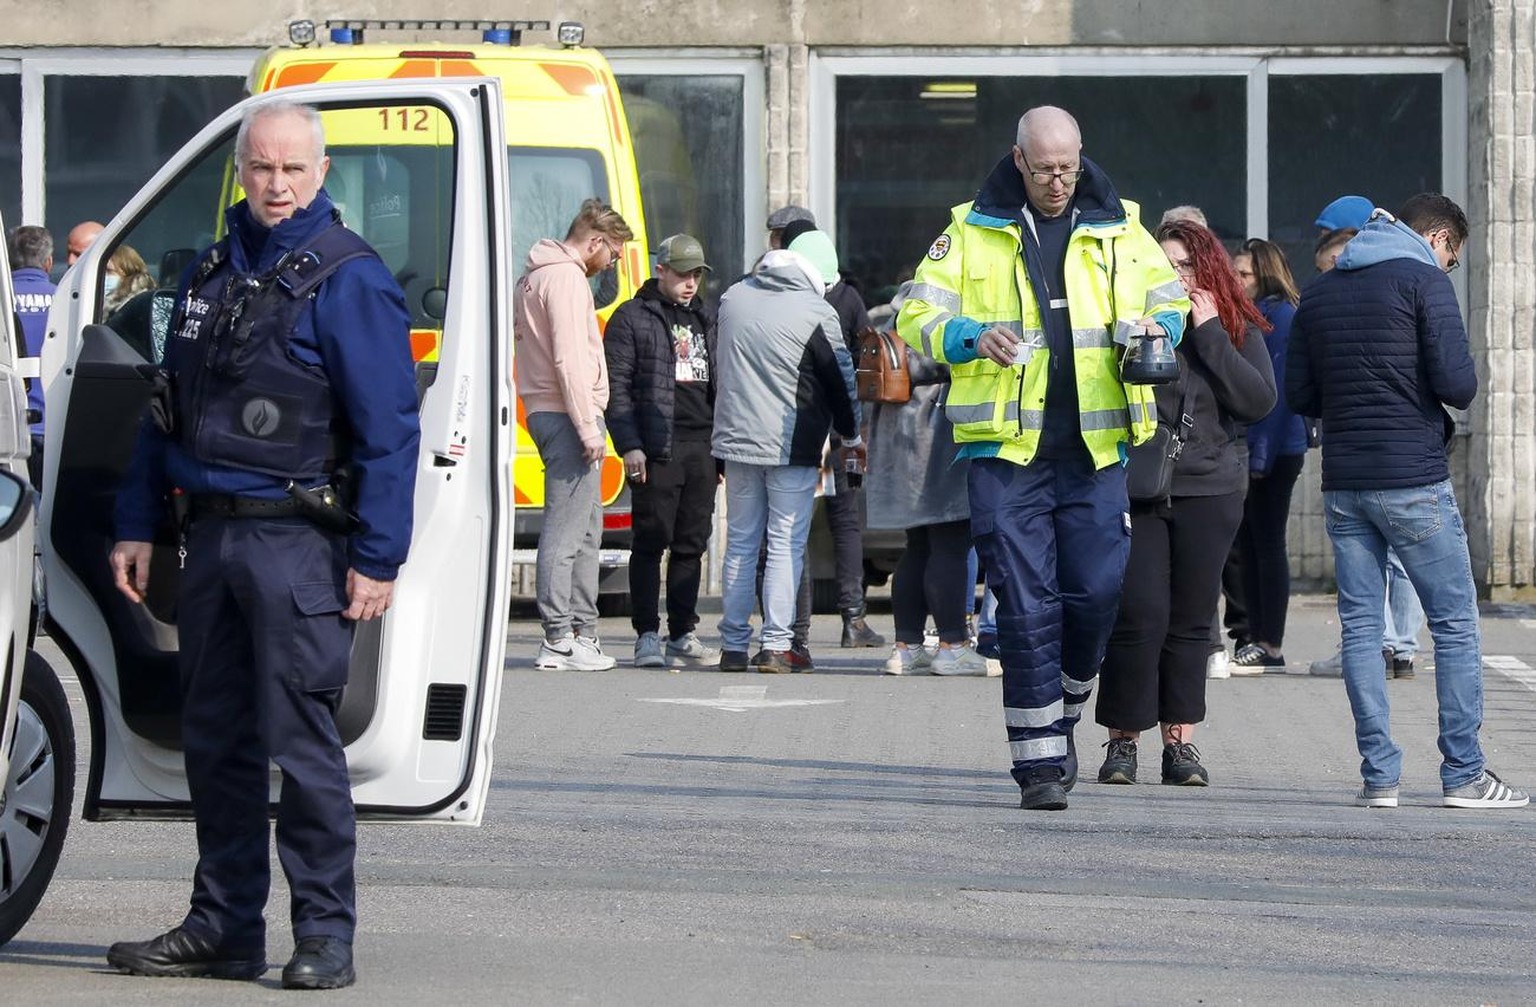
[1487, 791]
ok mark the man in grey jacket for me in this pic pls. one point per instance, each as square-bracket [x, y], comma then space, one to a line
[784, 377]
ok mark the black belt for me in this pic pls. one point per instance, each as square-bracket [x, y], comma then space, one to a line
[224, 505]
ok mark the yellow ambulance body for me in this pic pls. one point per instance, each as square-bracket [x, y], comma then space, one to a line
[568, 139]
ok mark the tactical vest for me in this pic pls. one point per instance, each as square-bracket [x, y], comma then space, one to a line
[240, 397]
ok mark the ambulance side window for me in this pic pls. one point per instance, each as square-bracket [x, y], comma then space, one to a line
[548, 186]
[144, 267]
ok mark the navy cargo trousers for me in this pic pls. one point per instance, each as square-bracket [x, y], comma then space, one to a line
[264, 657]
[1054, 536]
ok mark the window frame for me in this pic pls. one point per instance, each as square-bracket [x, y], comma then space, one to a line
[826, 66]
[35, 70]
[746, 64]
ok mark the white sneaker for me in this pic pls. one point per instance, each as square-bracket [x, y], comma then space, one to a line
[908, 661]
[959, 661]
[1487, 791]
[648, 652]
[574, 653]
[689, 647]
[1217, 665]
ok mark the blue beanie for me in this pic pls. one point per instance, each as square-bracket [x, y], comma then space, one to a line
[1346, 211]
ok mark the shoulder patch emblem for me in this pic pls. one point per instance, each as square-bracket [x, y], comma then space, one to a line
[939, 248]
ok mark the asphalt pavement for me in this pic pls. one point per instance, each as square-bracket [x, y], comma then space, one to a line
[846, 837]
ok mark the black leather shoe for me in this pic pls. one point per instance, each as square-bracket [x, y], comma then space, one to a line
[856, 632]
[178, 953]
[1042, 790]
[319, 963]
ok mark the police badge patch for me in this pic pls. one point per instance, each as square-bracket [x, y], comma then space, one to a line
[939, 248]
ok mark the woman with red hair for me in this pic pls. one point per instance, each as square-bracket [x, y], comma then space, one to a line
[1154, 669]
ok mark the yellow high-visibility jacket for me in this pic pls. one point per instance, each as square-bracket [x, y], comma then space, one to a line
[974, 277]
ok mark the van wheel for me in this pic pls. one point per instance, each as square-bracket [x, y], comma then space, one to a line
[39, 792]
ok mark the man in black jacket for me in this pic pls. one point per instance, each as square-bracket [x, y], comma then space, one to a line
[1378, 351]
[660, 350]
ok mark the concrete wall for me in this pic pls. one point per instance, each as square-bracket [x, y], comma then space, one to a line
[771, 22]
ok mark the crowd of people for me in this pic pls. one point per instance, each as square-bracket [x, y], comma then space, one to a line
[1057, 347]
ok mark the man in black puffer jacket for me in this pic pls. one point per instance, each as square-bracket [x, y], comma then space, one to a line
[660, 347]
[1378, 351]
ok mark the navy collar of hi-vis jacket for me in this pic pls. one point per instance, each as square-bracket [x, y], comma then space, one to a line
[1001, 199]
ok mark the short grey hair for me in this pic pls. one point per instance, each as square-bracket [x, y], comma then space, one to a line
[280, 106]
[1185, 212]
[30, 246]
[1049, 117]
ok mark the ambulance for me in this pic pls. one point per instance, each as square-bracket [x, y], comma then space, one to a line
[567, 139]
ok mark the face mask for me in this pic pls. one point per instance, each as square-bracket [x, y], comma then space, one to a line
[109, 284]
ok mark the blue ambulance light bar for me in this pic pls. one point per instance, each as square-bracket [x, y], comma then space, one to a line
[352, 32]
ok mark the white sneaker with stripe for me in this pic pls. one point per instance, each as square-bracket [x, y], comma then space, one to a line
[1487, 791]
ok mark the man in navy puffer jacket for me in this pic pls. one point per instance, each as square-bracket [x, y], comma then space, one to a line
[1378, 351]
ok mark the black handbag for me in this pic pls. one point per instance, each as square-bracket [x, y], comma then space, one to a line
[1149, 466]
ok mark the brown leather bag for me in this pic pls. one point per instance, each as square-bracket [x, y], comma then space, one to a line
[882, 367]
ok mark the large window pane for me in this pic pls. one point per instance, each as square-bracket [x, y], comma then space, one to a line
[1376, 136]
[908, 148]
[689, 150]
[107, 135]
[10, 149]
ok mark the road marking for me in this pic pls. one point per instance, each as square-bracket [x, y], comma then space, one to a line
[1528, 623]
[1512, 667]
[742, 698]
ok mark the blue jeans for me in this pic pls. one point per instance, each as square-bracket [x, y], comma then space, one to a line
[1405, 616]
[775, 500]
[1423, 526]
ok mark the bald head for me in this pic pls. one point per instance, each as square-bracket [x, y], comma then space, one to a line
[80, 238]
[1047, 125]
[1049, 147]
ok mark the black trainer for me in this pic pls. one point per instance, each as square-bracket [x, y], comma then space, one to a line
[1069, 764]
[319, 963]
[772, 662]
[181, 954]
[1181, 765]
[1119, 761]
[733, 660]
[1397, 667]
[1042, 790]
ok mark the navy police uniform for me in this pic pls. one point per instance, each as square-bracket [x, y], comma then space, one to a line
[288, 356]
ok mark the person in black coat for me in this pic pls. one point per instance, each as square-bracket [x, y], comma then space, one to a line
[660, 347]
[1153, 673]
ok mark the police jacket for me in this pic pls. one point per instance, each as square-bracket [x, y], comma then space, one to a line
[642, 368]
[349, 340]
[975, 277]
[34, 296]
[1377, 348]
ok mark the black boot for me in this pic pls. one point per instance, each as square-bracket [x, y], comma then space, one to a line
[856, 632]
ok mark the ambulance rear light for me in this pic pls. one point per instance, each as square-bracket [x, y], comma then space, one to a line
[621, 521]
[570, 33]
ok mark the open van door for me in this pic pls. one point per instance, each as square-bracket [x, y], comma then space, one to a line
[419, 712]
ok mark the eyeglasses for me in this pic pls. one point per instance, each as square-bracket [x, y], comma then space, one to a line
[1045, 177]
[1454, 252]
[1184, 267]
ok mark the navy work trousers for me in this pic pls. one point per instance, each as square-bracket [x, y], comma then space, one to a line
[1054, 536]
[264, 657]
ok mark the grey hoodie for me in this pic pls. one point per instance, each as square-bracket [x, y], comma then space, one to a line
[784, 375]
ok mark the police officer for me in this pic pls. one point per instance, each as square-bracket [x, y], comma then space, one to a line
[1027, 294]
[288, 366]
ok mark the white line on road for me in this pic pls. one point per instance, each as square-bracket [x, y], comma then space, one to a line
[742, 698]
[1512, 667]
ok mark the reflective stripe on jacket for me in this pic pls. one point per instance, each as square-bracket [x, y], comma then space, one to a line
[974, 278]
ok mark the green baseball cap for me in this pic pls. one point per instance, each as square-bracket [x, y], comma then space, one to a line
[681, 253]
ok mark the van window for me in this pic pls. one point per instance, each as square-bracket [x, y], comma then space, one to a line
[548, 187]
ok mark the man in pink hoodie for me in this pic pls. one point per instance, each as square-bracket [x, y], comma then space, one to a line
[563, 381]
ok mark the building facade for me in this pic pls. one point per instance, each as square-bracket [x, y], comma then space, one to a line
[879, 115]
